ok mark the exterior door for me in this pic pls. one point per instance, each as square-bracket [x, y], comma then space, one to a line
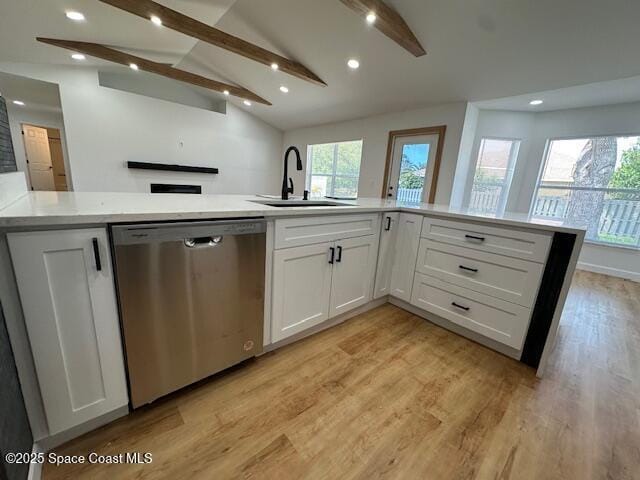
[353, 273]
[36, 144]
[301, 288]
[413, 168]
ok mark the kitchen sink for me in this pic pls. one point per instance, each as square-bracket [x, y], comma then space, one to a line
[300, 203]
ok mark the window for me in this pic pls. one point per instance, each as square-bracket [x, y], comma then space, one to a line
[492, 178]
[333, 169]
[593, 183]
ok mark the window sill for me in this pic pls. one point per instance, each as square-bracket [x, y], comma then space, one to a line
[612, 245]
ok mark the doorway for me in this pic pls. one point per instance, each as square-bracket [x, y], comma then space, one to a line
[45, 158]
[413, 164]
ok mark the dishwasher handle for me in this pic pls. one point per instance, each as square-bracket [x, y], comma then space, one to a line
[203, 242]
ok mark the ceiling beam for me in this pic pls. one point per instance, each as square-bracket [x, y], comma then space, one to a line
[116, 56]
[196, 29]
[389, 22]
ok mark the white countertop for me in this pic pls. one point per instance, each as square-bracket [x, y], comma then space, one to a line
[75, 208]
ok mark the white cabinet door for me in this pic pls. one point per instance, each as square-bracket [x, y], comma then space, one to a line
[406, 253]
[386, 251]
[71, 316]
[301, 288]
[353, 273]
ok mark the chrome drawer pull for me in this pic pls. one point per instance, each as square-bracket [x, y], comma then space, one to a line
[473, 237]
[466, 309]
[469, 269]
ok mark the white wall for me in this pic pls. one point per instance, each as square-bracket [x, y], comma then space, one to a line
[105, 128]
[375, 133]
[534, 129]
[39, 118]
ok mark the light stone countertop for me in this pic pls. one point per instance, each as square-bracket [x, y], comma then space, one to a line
[50, 209]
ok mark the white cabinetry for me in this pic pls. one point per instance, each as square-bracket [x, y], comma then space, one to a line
[318, 281]
[68, 297]
[388, 236]
[406, 252]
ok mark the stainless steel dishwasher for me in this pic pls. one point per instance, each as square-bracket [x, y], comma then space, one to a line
[191, 299]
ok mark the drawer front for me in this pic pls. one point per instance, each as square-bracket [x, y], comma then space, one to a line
[507, 278]
[295, 232]
[502, 321]
[502, 241]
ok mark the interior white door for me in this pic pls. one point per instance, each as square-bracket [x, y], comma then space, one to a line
[69, 303]
[412, 168]
[405, 256]
[36, 144]
[386, 253]
[301, 288]
[353, 273]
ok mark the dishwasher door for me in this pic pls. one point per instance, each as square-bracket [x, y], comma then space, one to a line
[191, 298]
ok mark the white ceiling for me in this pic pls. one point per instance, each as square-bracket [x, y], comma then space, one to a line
[477, 50]
[36, 94]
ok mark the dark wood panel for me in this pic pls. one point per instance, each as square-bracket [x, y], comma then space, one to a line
[196, 29]
[116, 56]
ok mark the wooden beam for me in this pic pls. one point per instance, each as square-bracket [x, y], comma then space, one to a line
[389, 22]
[196, 29]
[116, 56]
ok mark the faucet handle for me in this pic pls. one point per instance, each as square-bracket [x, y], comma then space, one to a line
[290, 185]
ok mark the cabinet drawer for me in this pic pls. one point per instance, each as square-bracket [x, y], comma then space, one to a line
[502, 321]
[503, 241]
[507, 278]
[294, 232]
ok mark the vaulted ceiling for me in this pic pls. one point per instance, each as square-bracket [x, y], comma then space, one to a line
[476, 49]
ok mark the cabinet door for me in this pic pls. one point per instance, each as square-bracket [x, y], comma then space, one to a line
[406, 253]
[71, 316]
[301, 288]
[353, 273]
[386, 251]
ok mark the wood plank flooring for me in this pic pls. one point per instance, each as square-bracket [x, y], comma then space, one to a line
[389, 395]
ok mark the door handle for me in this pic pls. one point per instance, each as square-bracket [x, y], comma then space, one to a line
[333, 254]
[339, 259]
[388, 227]
[203, 242]
[469, 269]
[96, 254]
[466, 309]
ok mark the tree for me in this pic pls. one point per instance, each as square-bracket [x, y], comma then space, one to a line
[594, 168]
[628, 174]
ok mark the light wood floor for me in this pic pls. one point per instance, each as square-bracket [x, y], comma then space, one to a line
[388, 395]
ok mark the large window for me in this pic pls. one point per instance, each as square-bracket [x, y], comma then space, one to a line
[493, 174]
[333, 169]
[594, 183]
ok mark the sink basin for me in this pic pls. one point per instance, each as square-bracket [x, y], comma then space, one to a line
[300, 203]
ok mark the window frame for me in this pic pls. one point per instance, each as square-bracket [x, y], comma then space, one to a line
[511, 168]
[334, 174]
[543, 166]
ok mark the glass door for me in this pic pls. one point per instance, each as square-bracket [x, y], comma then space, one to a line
[412, 168]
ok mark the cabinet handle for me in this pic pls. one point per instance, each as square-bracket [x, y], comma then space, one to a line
[339, 259]
[333, 254]
[466, 309]
[96, 254]
[474, 270]
[388, 227]
[473, 237]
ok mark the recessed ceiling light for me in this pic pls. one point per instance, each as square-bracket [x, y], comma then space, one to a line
[78, 56]
[353, 63]
[247, 103]
[371, 18]
[536, 102]
[133, 66]
[226, 92]
[77, 16]
[274, 66]
[19, 102]
[284, 89]
[156, 20]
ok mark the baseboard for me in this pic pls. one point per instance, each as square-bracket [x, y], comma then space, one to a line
[328, 324]
[35, 468]
[612, 272]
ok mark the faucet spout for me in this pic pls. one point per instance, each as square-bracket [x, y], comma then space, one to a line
[287, 183]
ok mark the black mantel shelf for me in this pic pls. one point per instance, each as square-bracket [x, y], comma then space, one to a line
[171, 168]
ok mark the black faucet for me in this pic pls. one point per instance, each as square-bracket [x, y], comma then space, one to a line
[287, 188]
